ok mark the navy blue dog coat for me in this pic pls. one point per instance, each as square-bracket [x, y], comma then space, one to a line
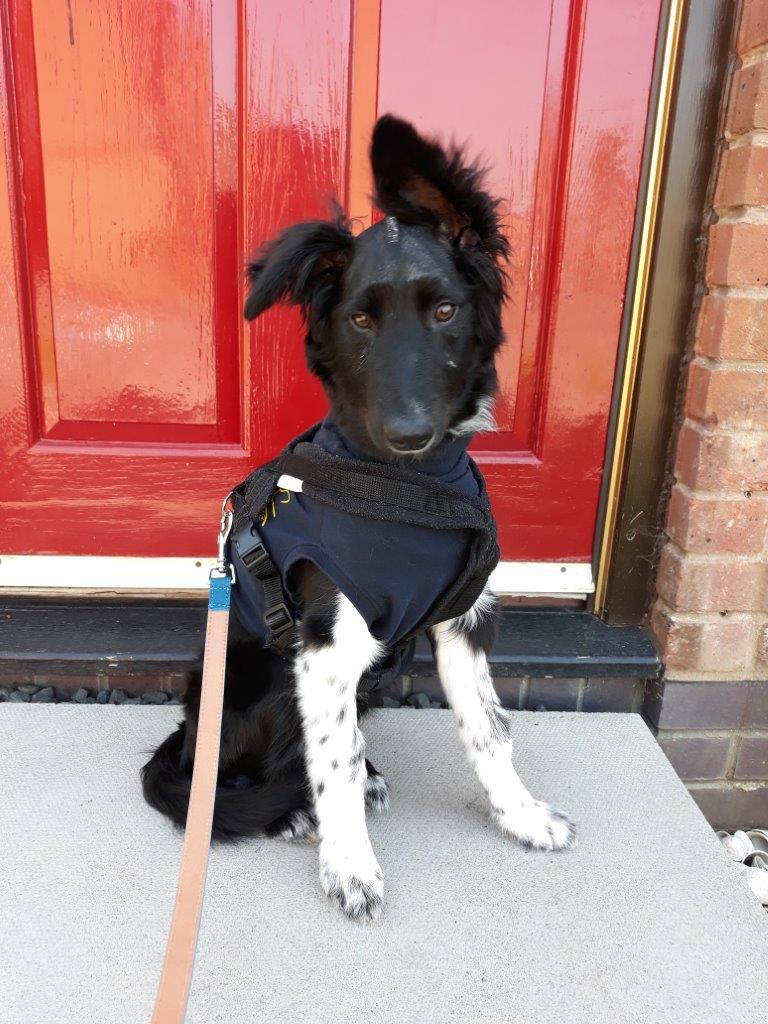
[408, 547]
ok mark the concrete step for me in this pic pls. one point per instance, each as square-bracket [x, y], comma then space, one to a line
[646, 921]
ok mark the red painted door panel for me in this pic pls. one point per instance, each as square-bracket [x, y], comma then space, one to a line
[146, 147]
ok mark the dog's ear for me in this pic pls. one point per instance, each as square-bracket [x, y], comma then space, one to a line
[291, 267]
[418, 182]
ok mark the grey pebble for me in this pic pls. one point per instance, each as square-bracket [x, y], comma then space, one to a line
[117, 696]
[419, 700]
[18, 698]
[80, 696]
[390, 702]
[155, 697]
[29, 688]
[44, 696]
[435, 704]
[102, 697]
[132, 700]
[5, 693]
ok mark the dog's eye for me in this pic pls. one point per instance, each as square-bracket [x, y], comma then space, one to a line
[445, 312]
[362, 321]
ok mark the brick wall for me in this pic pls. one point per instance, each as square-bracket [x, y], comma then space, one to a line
[711, 610]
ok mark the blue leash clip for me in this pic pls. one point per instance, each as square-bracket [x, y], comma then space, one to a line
[222, 574]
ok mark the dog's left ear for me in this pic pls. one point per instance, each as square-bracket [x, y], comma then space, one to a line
[418, 182]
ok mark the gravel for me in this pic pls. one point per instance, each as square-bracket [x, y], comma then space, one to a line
[418, 700]
[27, 693]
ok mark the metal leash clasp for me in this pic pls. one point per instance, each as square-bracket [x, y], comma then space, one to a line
[223, 566]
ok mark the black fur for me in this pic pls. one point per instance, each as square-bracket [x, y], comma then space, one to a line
[449, 251]
[481, 635]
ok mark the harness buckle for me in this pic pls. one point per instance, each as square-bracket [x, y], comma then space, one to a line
[278, 618]
[255, 558]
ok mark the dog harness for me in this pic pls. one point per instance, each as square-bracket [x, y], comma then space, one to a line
[409, 546]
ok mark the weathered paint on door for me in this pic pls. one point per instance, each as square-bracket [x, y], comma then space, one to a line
[147, 147]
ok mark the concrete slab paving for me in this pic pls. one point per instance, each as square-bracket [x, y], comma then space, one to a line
[646, 921]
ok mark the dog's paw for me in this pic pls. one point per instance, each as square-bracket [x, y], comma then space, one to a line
[538, 826]
[299, 826]
[354, 881]
[376, 793]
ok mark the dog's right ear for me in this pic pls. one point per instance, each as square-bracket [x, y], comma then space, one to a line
[290, 268]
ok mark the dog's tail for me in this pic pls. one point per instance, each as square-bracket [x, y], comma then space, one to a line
[237, 811]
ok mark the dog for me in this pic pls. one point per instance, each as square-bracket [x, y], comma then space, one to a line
[403, 323]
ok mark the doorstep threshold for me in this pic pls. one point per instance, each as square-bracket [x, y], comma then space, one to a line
[159, 638]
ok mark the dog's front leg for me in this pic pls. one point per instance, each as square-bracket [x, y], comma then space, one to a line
[336, 649]
[461, 646]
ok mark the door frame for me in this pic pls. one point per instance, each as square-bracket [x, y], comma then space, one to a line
[633, 503]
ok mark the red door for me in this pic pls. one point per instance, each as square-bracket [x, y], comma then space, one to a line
[148, 146]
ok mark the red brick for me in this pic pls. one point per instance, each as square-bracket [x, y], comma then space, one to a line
[13, 677]
[717, 526]
[722, 462]
[728, 397]
[738, 253]
[678, 641]
[134, 684]
[733, 327]
[712, 585]
[748, 103]
[724, 645]
[753, 29]
[743, 177]
[762, 646]
[67, 684]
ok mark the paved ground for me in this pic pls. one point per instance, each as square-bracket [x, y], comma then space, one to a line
[645, 921]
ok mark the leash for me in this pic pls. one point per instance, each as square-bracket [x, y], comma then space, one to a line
[176, 977]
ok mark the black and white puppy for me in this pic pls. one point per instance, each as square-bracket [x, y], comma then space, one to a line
[403, 323]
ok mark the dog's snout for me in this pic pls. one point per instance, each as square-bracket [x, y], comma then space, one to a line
[409, 436]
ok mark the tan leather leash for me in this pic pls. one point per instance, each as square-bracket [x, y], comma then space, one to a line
[176, 977]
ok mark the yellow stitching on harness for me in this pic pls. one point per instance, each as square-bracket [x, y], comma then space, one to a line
[270, 509]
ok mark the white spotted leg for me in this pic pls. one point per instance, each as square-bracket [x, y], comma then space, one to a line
[483, 725]
[327, 676]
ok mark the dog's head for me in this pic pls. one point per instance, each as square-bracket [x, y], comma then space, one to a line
[404, 320]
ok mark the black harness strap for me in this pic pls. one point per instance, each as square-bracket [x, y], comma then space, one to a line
[277, 617]
[393, 494]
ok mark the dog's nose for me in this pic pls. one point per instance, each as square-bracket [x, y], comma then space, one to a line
[409, 436]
